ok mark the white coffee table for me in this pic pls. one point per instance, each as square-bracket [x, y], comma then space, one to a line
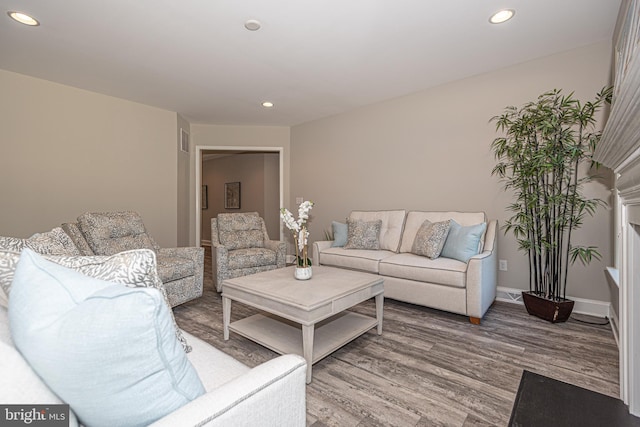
[305, 317]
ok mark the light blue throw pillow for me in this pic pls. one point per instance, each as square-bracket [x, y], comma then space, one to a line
[340, 231]
[107, 350]
[463, 242]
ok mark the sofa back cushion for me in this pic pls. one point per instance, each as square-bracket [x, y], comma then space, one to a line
[390, 229]
[415, 219]
[240, 230]
[108, 233]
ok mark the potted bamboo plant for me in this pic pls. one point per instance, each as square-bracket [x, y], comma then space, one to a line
[543, 145]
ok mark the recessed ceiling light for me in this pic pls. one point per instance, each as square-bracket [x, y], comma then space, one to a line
[23, 18]
[252, 25]
[502, 16]
[267, 104]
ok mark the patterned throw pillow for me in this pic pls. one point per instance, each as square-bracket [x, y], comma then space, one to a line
[363, 234]
[54, 242]
[135, 269]
[430, 238]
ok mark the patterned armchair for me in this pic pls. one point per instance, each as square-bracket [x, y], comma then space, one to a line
[180, 269]
[241, 246]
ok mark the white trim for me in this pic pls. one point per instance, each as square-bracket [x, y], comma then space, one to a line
[198, 180]
[614, 326]
[205, 242]
[582, 305]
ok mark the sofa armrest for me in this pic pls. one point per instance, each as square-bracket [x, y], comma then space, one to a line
[280, 248]
[482, 275]
[271, 394]
[317, 248]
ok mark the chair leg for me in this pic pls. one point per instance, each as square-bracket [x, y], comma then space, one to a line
[474, 320]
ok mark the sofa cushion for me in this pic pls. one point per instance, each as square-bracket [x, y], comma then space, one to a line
[416, 218]
[54, 242]
[240, 231]
[391, 228]
[340, 232]
[24, 385]
[213, 366]
[363, 234]
[430, 238]
[441, 271]
[135, 268]
[252, 257]
[108, 233]
[172, 268]
[102, 348]
[357, 259]
[463, 242]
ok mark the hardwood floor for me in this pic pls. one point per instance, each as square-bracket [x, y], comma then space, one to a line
[429, 368]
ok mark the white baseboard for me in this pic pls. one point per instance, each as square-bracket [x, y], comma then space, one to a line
[582, 305]
[205, 242]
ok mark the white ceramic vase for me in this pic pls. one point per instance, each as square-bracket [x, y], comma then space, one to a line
[302, 273]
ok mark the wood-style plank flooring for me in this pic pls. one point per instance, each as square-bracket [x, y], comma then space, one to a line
[429, 368]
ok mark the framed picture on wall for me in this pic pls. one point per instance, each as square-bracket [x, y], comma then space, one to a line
[232, 195]
[205, 197]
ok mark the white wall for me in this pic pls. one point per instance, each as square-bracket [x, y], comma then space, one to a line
[65, 151]
[431, 151]
[184, 184]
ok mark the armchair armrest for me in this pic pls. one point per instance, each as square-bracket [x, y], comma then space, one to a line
[193, 253]
[317, 248]
[280, 248]
[482, 275]
[271, 394]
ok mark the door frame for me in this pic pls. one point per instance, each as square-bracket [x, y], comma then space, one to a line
[198, 180]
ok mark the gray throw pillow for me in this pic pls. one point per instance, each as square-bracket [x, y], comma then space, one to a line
[430, 238]
[340, 233]
[363, 234]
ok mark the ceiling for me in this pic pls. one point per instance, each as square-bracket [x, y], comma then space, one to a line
[311, 58]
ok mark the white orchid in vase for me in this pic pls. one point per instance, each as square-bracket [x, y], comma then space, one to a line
[299, 230]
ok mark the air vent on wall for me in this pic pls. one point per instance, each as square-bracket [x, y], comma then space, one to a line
[184, 140]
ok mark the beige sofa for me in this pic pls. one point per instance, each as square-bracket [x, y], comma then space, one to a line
[467, 288]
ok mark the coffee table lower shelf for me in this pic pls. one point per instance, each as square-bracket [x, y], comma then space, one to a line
[286, 337]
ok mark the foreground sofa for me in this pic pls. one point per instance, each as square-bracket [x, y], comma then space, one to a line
[87, 318]
[107, 233]
[467, 288]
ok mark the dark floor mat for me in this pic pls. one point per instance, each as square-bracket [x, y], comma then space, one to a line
[543, 401]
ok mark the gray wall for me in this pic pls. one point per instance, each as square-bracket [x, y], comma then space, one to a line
[65, 151]
[431, 151]
[259, 183]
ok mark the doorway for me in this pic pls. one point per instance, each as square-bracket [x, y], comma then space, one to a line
[259, 172]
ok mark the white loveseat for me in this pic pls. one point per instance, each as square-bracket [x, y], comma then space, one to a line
[467, 288]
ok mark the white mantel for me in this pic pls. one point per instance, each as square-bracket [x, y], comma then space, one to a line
[619, 149]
